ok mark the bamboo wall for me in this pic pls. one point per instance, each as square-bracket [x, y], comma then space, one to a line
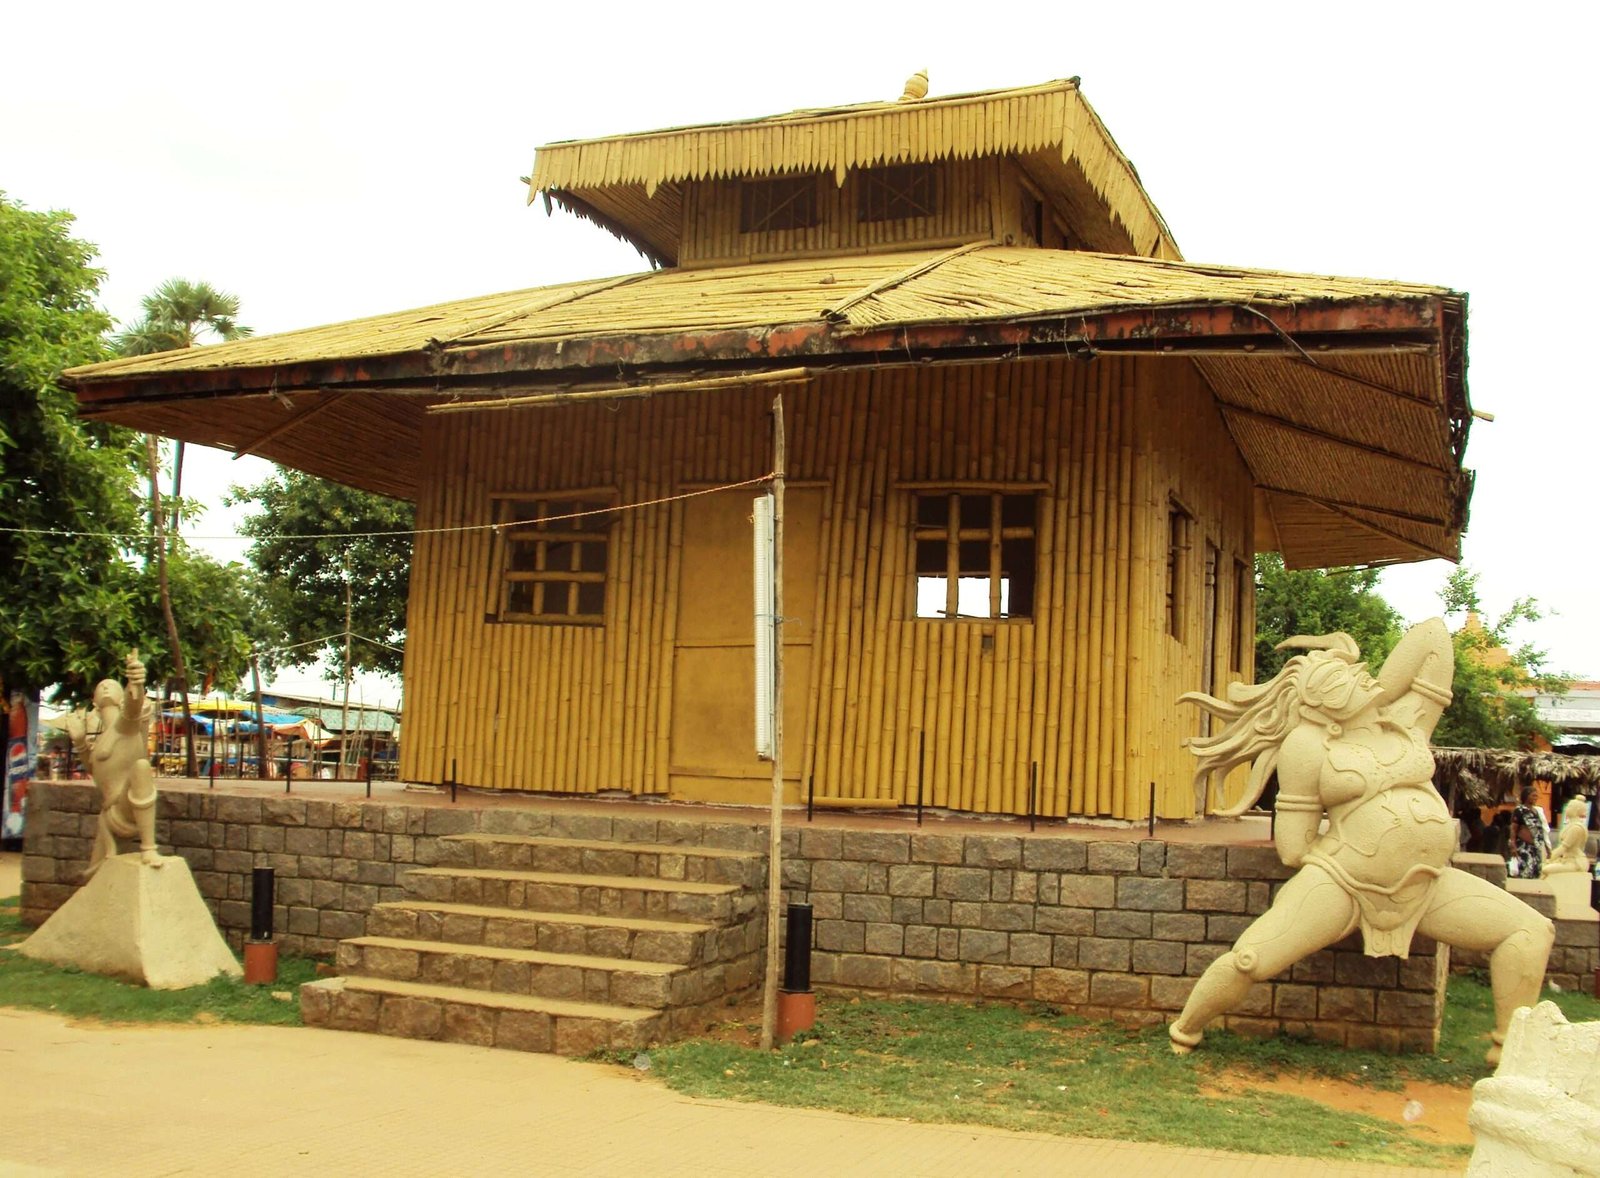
[965, 212]
[1085, 688]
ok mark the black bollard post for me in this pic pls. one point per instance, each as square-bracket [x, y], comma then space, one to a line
[922, 765]
[811, 796]
[261, 951]
[1033, 795]
[1152, 809]
[797, 1005]
[1594, 902]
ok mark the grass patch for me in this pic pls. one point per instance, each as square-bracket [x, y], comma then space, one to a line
[35, 985]
[1039, 1070]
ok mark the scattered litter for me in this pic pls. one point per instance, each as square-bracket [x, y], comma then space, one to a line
[283, 995]
[1412, 1111]
[1555, 986]
[642, 1061]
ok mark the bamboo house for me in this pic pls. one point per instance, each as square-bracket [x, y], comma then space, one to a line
[1031, 455]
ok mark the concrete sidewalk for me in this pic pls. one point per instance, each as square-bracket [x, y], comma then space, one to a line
[258, 1100]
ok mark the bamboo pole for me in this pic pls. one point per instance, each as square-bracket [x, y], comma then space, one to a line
[769, 994]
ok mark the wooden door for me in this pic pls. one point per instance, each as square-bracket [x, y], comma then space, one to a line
[713, 689]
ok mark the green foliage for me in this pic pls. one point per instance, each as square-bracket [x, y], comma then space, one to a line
[72, 601]
[220, 620]
[37, 985]
[304, 552]
[1314, 601]
[1491, 667]
[178, 315]
[1040, 1071]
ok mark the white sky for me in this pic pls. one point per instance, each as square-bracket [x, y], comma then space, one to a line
[332, 160]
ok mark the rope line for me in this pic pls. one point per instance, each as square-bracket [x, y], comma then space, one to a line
[144, 537]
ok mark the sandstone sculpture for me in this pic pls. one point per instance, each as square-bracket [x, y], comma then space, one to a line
[1354, 750]
[1538, 1116]
[1569, 855]
[114, 741]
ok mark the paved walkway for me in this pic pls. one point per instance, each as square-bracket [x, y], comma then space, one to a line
[259, 1100]
[80, 1099]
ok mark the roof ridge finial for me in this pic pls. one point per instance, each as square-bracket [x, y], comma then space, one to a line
[916, 87]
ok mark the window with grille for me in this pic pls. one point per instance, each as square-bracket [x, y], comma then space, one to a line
[975, 554]
[554, 559]
[787, 202]
[897, 193]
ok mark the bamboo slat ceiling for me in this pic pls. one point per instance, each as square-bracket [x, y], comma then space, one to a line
[1339, 392]
[618, 179]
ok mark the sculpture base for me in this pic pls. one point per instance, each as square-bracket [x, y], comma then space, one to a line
[144, 924]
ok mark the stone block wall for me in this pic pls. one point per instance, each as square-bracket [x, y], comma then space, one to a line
[333, 860]
[1113, 929]
[1104, 927]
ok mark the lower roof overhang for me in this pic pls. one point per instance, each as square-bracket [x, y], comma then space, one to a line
[1351, 413]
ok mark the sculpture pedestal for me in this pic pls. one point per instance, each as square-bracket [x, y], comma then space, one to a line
[1570, 890]
[143, 924]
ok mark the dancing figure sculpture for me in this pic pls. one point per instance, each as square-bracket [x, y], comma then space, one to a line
[114, 741]
[1354, 750]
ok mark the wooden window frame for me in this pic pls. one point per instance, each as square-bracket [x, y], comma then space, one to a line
[994, 533]
[779, 204]
[1243, 644]
[536, 536]
[1180, 541]
[897, 192]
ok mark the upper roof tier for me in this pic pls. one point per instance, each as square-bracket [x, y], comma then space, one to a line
[1027, 166]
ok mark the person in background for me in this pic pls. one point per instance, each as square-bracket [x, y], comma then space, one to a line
[1530, 836]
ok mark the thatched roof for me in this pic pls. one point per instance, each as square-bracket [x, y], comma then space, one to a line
[1346, 397]
[1485, 776]
[633, 184]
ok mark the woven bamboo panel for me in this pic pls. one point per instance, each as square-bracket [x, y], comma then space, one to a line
[366, 440]
[1315, 396]
[1084, 688]
[964, 199]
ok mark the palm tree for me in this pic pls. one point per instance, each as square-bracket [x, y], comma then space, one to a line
[178, 315]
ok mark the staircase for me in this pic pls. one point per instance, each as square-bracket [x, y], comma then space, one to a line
[541, 943]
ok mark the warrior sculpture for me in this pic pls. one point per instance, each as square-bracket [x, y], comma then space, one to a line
[1354, 750]
[114, 741]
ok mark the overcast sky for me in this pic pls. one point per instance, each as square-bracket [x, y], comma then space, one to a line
[333, 160]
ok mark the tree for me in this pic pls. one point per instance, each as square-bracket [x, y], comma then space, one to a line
[176, 316]
[1314, 601]
[1486, 710]
[180, 314]
[309, 545]
[69, 490]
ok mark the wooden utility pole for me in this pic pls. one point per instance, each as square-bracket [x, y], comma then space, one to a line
[261, 719]
[152, 454]
[769, 995]
[344, 717]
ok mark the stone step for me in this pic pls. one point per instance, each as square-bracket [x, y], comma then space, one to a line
[599, 857]
[671, 941]
[575, 977]
[598, 895]
[416, 1010]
